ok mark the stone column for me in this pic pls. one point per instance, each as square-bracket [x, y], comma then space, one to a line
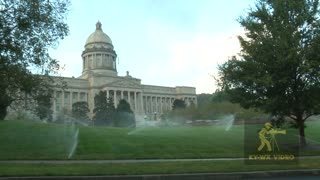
[141, 103]
[156, 110]
[107, 93]
[70, 100]
[154, 104]
[161, 104]
[115, 98]
[150, 103]
[121, 94]
[54, 101]
[62, 99]
[135, 101]
[147, 104]
[129, 101]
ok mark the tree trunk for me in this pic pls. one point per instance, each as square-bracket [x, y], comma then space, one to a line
[3, 112]
[302, 138]
[5, 102]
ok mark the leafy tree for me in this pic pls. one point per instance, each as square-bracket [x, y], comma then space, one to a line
[27, 30]
[220, 96]
[125, 116]
[80, 110]
[44, 104]
[178, 104]
[203, 99]
[279, 69]
[104, 109]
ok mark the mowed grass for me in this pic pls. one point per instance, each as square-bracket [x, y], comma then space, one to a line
[30, 140]
[150, 143]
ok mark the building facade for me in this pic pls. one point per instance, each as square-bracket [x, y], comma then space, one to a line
[99, 73]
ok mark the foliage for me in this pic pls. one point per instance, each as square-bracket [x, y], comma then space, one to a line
[124, 106]
[125, 116]
[28, 30]
[220, 96]
[104, 109]
[203, 99]
[43, 109]
[279, 69]
[80, 110]
[179, 104]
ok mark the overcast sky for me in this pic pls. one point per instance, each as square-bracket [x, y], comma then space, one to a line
[162, 42]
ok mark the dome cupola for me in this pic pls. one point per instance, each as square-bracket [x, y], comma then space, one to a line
[98, 38]
[99, 57]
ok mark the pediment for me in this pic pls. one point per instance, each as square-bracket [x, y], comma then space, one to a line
[125, 83]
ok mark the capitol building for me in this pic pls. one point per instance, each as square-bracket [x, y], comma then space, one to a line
[99, 73]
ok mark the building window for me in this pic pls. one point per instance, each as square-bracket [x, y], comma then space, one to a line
[66, 95]
[83, 96]
[74, 96]
[58, 93]
[57, 108]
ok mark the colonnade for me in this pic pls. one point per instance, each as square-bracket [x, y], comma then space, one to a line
[65, 99]
[157, 104]
[133, 97]
[161, 103]
[140, 103]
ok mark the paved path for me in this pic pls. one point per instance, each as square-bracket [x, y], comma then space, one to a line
[296, 174]
[130, 160]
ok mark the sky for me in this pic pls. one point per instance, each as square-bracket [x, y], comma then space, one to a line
[162, 42]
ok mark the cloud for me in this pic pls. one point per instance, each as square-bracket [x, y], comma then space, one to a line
[187, 58]
[200, 57]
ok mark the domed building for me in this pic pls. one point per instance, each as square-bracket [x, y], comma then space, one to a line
[99, 73]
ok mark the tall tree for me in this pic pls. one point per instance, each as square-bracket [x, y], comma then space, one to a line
[203, 99]
[104, 109]
[44, 104]
[279, 69]
[80, 110]
[28, 28]
[125, 116]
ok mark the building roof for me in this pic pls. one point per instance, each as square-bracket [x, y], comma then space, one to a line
[98, 36]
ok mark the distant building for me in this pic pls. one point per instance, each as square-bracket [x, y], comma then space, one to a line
[99, 73]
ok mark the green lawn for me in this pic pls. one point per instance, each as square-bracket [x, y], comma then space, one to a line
[30, 140]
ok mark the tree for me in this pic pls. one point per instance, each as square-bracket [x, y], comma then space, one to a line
[178, 104]
[279, 69]
[104, 109]
[219, 96]
[27, 30]
[203, 99]
[43, 109]
[125, 116]
[80, 110]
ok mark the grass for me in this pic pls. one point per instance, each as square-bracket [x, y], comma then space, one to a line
[199, 142]
[29, 140]
[145, 168]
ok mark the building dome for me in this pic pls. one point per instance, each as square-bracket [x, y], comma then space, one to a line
[99, 57]
[98, 38]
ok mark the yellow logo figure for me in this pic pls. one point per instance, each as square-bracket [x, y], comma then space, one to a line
[270, 139]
